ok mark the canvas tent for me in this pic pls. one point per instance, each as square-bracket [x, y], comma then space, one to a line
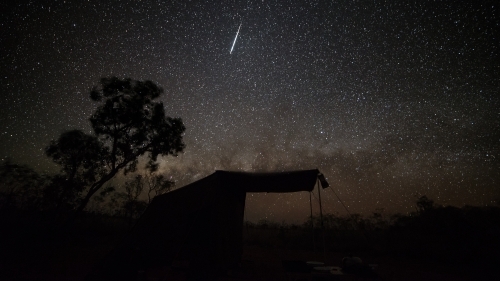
[200, 223]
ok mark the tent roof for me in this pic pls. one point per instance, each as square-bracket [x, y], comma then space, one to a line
[269, 182]
[208, 189]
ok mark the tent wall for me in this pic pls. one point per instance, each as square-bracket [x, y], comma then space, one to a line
[201, 223]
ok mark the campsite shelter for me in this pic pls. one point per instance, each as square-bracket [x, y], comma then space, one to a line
[200, 224]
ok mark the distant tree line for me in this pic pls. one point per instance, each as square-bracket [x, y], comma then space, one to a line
[436, 233]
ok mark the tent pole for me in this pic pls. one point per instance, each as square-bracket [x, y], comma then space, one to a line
[321, 220]
[312, 222]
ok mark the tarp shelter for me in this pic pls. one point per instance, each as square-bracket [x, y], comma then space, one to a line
[200, 224]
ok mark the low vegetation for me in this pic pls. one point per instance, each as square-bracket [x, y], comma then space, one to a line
[448, 235]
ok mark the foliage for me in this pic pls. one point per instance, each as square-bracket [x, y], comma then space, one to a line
[424, 204]
[157, 185]
[103, 203]
[132, 206]
[61, 194]
[131, 124]
[127, 124]
[20, 186]
[79, 156]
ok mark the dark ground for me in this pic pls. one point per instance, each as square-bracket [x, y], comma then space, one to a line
[30, 250]
[75, 261]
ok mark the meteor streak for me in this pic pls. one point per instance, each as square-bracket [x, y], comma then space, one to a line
[234, 42]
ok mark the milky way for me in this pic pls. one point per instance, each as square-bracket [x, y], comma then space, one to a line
[389, 100]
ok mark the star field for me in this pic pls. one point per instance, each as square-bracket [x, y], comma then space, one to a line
[389, 100]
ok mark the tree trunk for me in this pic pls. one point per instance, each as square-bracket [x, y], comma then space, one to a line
[93, 189]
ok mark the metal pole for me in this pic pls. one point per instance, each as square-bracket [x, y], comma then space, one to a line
[321, 220]
[320, 207]
[312, 222]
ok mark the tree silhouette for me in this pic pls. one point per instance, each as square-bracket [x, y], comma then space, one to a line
[132, 206]
[424, 204]
[157, 185]
[80, 158]
[20, 186]
[128, 124]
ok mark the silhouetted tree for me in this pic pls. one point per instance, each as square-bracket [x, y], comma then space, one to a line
[80, 158]
[134, 188]
[157, 185]
[20, 186]
[61, 194]
[103, 203]
[424, 204]
[378, 219]
[133, 206]
[128, 124]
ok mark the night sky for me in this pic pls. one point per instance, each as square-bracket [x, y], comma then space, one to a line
[391, 100]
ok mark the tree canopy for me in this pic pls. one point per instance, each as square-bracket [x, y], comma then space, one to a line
[128, 123]
[79, 156]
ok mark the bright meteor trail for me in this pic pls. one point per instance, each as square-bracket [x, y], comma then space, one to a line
[234, 42]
